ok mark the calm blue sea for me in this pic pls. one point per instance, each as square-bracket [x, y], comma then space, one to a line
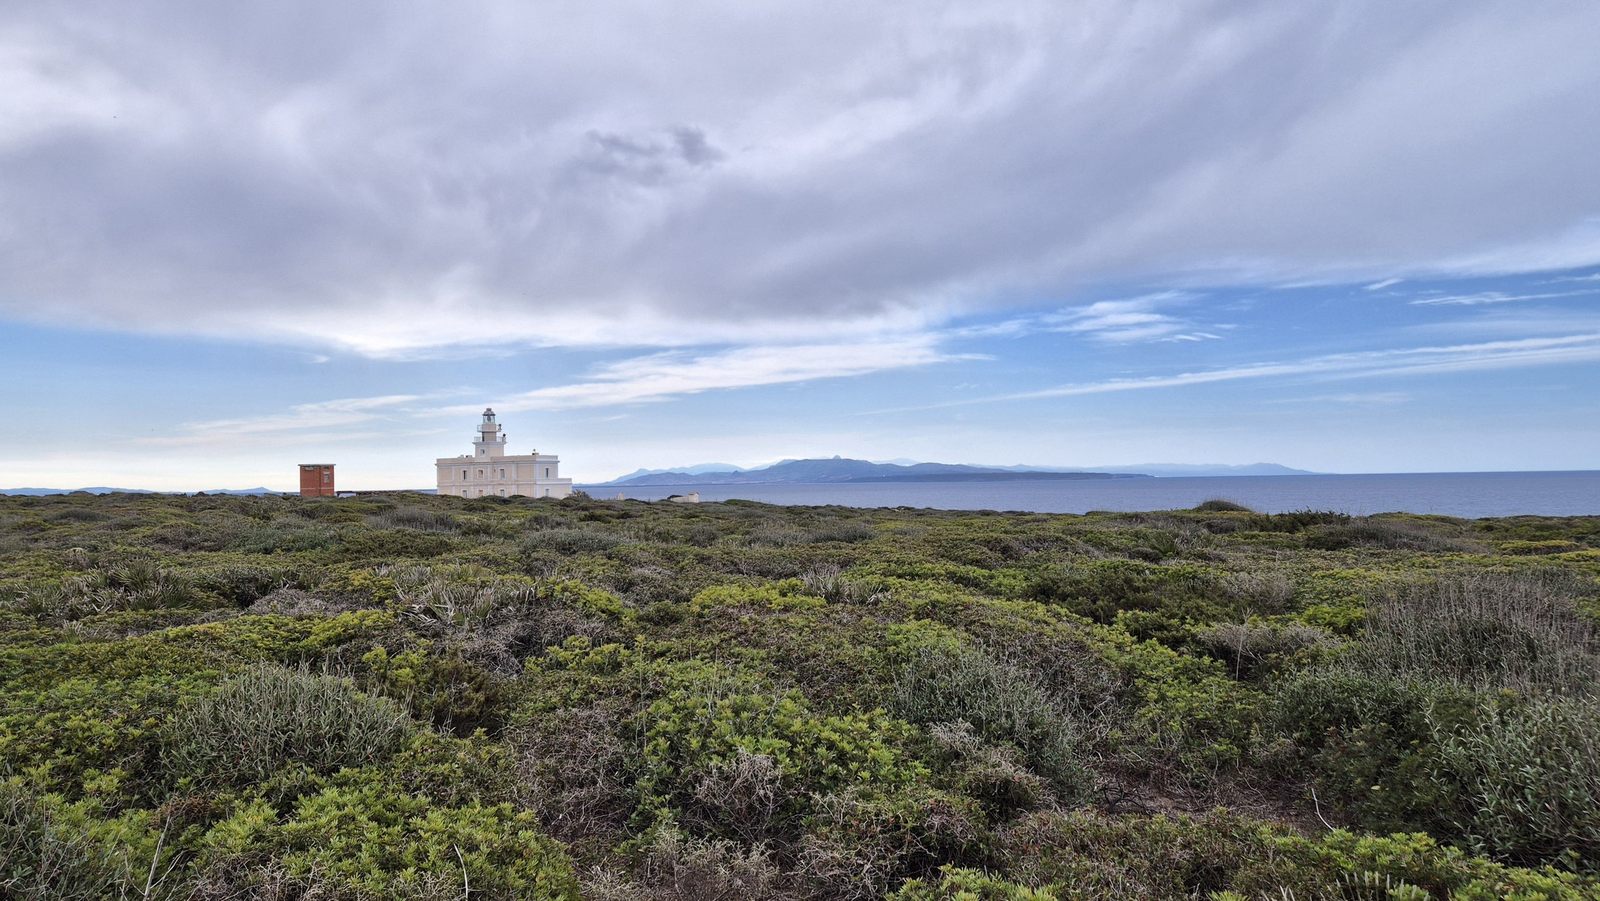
[1468, 494]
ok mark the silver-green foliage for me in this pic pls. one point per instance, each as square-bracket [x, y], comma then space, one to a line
[1487, 630]
[269, 716]
[1529, 777]
[1002, 703]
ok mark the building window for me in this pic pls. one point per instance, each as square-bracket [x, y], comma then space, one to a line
[547, 472]
[502, 492]
[480, 473]
[502, 475]
[463, 475]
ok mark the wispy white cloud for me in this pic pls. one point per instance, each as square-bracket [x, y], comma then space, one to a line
[1484, 298]
[329, 416]
[1386, 283]
[1129, 320]
[1353, 398]
[1583, 348]
[666, 376]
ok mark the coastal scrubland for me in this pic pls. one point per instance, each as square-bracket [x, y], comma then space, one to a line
[406, 696]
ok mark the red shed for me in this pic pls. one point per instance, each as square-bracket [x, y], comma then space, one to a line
[316, 480]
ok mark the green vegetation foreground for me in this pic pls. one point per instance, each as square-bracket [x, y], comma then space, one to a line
[403, 696]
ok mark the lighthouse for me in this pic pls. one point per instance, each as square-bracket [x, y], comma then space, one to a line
[491, 472]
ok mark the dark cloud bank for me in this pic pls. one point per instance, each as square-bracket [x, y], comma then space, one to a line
[404, 177]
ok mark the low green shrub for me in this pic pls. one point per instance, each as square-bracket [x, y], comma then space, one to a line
[693, 737]
[570, 542]
[53, 850]
[960, 884]
[1368, 741]
[437, 685]
[1092, 855]
[1221, 505]
[363, 838]
[1251, 648]
[1297, 520]
[1170, 595]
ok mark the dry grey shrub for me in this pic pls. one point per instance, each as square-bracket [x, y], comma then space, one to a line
[847, 531]
[250, 879]
[572, 769]
[745, 795]
[496, 621]
[294, 602]
[1004, 703]
[990, 773]
[778, 534]
[859, 846]
[1488, 630]
[1376, 887]
[827, 580]
[415, 518]
[569, 541]
[1246, 646]
[1389, 534]
[676, 867]
[1265, 592]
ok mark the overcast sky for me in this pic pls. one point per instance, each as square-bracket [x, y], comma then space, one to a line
[1343, 236]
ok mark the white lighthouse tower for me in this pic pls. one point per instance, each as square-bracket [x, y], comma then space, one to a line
[491, 442]
[491, 472]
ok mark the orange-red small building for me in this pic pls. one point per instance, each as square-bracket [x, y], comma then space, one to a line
[316, 480]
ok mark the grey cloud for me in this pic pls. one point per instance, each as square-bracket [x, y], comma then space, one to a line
[389, 177]
[649, 159]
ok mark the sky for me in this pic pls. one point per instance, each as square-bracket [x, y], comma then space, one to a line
[1346, 237]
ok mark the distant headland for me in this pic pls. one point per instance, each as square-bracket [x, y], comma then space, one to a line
[844, 469]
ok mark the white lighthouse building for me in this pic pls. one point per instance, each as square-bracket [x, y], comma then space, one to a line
[490, 471]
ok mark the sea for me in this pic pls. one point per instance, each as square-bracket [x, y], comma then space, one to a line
[1464, 494]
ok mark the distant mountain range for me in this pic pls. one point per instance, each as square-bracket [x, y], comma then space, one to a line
[41, 492]
[843, 469]
[1171, 470]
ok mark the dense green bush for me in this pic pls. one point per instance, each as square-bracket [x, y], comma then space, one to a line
[362, 838]
[53, 850]
[707, 754]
